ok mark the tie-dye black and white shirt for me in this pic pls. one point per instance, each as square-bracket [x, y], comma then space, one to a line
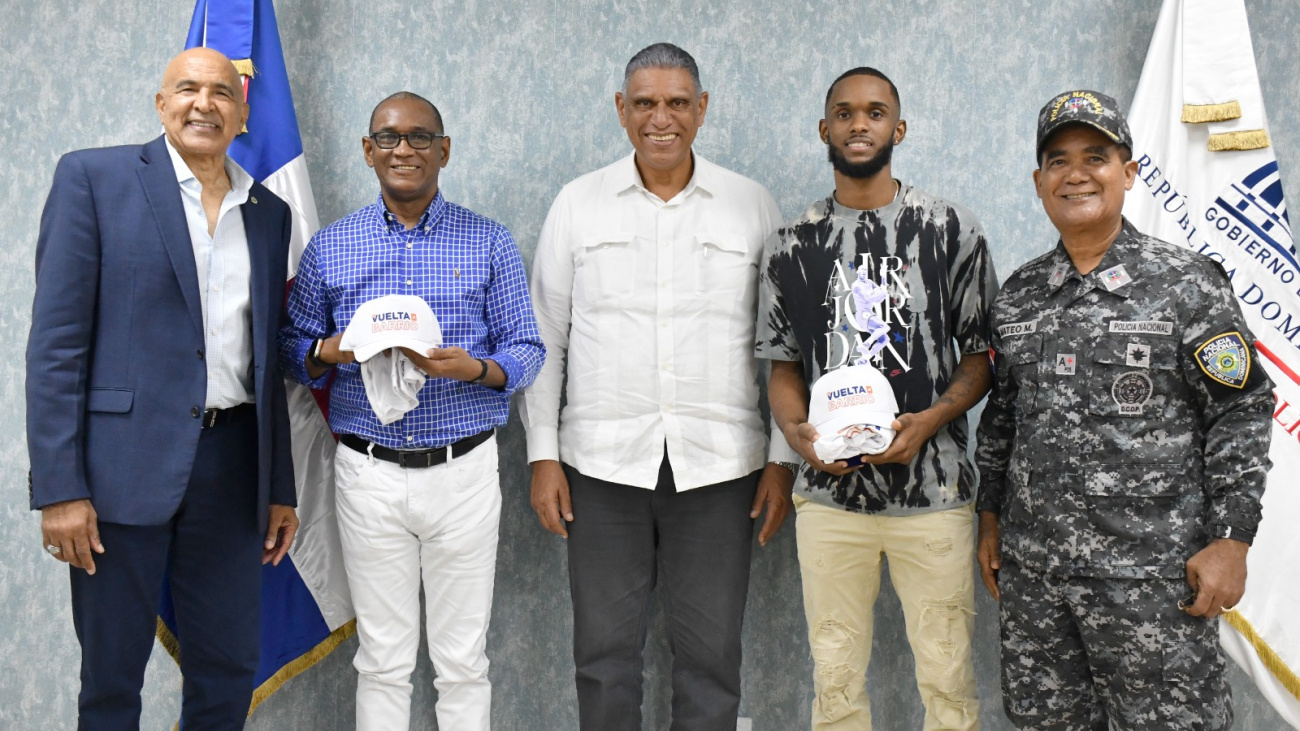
[932, 258]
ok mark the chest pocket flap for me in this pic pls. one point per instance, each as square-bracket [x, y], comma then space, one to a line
[1133, 376]
[1021, 354]
[605, 265]
[1127, 351]
[724, 269]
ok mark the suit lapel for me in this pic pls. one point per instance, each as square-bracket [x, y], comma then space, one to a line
[256, 230]
[164, 194]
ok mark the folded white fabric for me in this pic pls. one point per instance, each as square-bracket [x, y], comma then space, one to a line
[392, 384]
[852, 441]
[853, 410]
[389, 323]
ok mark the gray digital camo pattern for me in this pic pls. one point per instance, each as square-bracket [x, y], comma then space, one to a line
[931, 257]
[1080, 653]
[1105, 447]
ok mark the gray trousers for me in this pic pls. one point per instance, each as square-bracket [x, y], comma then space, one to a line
[1090, 654]
[696, 545]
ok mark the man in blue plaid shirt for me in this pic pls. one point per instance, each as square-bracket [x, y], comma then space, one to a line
[418, 497]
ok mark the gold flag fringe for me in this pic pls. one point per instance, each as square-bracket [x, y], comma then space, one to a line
[285, 674]
[1275, 664]
[1248, 140]
[1202, 113]
[245, 67]
[308, 659]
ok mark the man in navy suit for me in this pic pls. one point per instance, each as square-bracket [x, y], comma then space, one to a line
[156, 418]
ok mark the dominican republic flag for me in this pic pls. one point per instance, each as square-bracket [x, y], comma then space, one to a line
[306, 607]
[1208, 179]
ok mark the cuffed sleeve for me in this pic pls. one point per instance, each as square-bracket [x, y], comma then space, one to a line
[512, 327]
[1236, 416]
[552, 292]
[996, 435]
[308, 319]
[58, 345]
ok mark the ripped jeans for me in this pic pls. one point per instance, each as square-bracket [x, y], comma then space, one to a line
[930, 560]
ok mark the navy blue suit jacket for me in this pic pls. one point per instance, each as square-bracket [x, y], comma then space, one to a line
[116, 377]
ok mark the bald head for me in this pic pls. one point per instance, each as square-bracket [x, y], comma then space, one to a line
[186, 60]
[201, 105]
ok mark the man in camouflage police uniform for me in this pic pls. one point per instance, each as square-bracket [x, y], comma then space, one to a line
[1122, 454]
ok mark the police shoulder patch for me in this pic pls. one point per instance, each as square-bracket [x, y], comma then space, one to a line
[1225, 358]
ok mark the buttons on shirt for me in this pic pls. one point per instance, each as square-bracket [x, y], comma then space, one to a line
[409, 244]
[410, 438]
[409, 282]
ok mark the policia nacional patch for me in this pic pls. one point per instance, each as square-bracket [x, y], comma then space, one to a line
[1226, 359]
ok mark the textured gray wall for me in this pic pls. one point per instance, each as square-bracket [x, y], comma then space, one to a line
[526, 89]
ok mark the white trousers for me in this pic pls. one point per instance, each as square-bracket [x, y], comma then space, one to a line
[399, 526]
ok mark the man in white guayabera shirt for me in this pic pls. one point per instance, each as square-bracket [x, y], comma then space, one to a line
[645, 277]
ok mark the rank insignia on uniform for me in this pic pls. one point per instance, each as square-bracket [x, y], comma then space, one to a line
[1114, 278]
[1058, 274]
[1065, 364]
[1139, 355]
[1226, 359]
[1131, 391]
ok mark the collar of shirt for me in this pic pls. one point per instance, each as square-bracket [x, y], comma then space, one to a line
[429, 220]
[240, 181]
[625, 177]
[1118, 254]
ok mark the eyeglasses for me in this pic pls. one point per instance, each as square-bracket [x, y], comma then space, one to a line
[417, 140]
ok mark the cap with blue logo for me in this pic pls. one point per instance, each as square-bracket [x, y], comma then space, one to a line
[1083, 107]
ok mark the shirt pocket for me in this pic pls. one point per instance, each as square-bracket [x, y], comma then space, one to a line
[1132, 377]
[726, 275]
[606, 266]
[1022, 354]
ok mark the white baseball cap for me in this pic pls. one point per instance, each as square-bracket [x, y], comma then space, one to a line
[391, 321]
[849, 396]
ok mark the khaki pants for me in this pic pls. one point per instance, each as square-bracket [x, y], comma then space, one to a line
[930, 560]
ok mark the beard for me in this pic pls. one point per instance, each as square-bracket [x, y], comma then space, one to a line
[860, 170]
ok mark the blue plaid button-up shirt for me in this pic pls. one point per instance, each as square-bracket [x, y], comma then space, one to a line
[466, 267]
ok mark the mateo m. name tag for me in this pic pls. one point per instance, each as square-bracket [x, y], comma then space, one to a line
[1142, 327]
[1017, 328]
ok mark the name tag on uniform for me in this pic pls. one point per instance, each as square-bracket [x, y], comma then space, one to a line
[1065, 364]
[1017, 328]
[1142, 327]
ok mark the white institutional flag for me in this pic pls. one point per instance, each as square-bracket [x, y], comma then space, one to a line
[1208, 179]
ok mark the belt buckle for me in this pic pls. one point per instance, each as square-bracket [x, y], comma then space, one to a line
[407, 460]
[210, 418]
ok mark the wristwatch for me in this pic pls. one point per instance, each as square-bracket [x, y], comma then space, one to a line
[792, 466]
[313, 355]
[482, 375]
[1220, 530]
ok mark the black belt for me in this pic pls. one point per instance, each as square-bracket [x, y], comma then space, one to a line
[416, 458]
[212, 417]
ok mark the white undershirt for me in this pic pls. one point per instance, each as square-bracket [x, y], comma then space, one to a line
[223, 265]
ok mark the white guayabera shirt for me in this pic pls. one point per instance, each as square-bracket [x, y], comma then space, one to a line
[652, 302]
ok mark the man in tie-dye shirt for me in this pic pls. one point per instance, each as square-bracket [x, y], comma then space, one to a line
[912, 502]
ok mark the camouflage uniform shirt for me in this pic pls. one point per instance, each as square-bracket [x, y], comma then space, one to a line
[932, 259]
[1127, 416]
